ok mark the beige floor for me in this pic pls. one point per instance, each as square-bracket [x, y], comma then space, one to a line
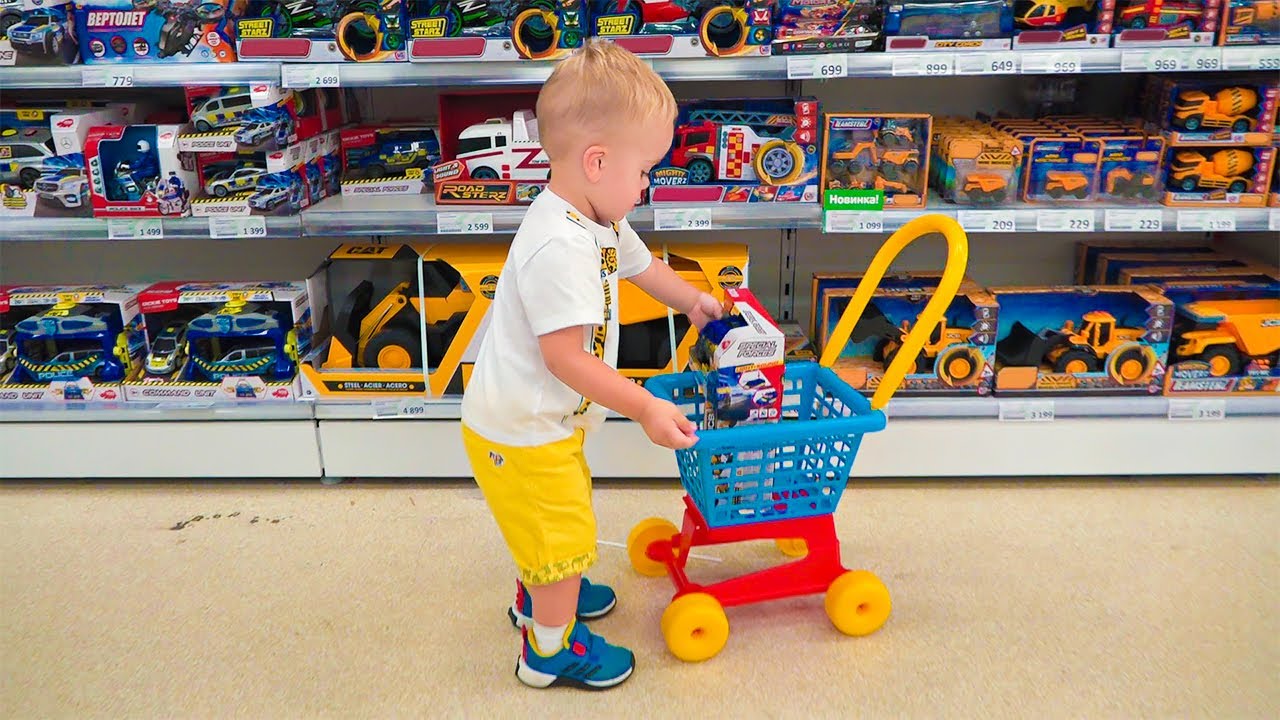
[1114, 600]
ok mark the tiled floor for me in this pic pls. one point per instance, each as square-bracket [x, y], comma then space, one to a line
[1099, 600]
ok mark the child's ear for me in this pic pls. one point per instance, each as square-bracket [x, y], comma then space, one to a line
[593, 162]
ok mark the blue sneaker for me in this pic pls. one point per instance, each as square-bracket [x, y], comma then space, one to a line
[594, 601]
[584, 661]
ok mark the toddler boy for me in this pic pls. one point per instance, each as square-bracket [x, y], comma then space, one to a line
[546, 370]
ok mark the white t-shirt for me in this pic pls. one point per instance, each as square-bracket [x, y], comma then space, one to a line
[562, 271]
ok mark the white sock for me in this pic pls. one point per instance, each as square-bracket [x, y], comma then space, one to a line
[548, 640]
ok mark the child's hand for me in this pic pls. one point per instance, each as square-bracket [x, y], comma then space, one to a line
[706, 309]
[667, 426]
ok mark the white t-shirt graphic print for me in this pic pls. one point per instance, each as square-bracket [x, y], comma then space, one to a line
[562, 271]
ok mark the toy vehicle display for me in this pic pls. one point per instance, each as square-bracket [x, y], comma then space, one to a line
[887, 153]
[239, 339]
[324, 30]
[972, 24]
[62, 181]
[1250, 22]
[41, 32]
[393, 155]
[501, 29]
[720, 28]
[10, 15]
[1227, 108]
[1228, 170]
[164, 31]
[802, 26]
[261, 124]
[23, 153]
[1098, 343]
[1229, 335]
[501, 149]
[138, 171]
[167, 351]
[1139, 14]
[276, 189]
[70, 341]
[221, 111]
[8, 353]
[243, 179]
[1059, 184]
[982, 188]
[1126, 183]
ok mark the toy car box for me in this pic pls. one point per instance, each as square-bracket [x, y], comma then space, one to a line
[1111, 266]
[1216, 175]
[1048, 23]
[827, 26]
[322, 31]
[1234, 111]
[138, 171]
[261, 117]
[1161, 274]
[686, 28]
[495, 29]
[66, 344]
[148, 31]
[1249, 22]
[38, 32]
[1226, 338]
[1145, 23]
[958, 358]
[741, 150]
[222, 342]
[247, 183]
[1129, 168]
[1088, 252]
[1061, 169]
[972, 163]
[948, 26]
[388, 160]
[1085, 339]
[740, 361]
[888, 153]
[490, 150]
[44, 167]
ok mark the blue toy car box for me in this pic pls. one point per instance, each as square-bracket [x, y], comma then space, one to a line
[388, 160]
[222, 342]
[138, 171]
[740, 358]
[258, 117]
[65, 344]
[37, 33]
[948, 26]
[149, 31]
[318, 31]
[686, 28]
[441, 30]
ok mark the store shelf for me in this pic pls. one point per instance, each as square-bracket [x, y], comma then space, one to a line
[188, 228]
[1059, 60]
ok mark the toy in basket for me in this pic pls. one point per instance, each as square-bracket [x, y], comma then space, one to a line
[782, 481]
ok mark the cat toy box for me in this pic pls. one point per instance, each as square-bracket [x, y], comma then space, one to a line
[741, 360]
[156, 31]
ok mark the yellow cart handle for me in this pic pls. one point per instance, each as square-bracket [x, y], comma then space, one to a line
[952, 275]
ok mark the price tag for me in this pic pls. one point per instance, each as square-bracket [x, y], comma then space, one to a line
[310, 76]
[251, 226]
[1197, 409]
[1026, 411]
[1145, 220]
[464, 223]
[134, 229]
[1259, 58]
[672, 219]
[1052, 63]
[406, 407]
[113, 77]
[1064, 221]
[1001, 63]
[1150, 60]
[1203, 59]
[986, 220]
[925, 65]
[817, 67]
[1206, 221]
[1273, 221]
[853, 221]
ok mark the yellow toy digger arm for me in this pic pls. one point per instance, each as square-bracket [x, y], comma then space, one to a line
[952, 275]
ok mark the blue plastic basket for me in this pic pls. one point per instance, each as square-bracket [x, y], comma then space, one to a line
[791, 469]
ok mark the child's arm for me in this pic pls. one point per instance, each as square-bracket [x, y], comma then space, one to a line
[593, 379]
[668, 288]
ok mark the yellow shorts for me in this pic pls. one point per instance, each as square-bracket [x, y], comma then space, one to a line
[541, 498]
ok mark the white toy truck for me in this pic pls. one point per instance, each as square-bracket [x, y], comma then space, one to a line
[500, 149]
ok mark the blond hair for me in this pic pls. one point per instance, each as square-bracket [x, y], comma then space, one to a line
[599, 88]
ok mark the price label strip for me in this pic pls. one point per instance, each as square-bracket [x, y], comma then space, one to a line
[818, 67]
[924, 65]
[310, 76]
[404, 408]
[1197, 409]
[134, 229]
[464, 223]
[1206, 221]
[1064, 221]
[1001, 63]
[1262, 58]
[252, 226]
[853, 221]
[1052, 63]
[993, 221]
[113, 77]
[1026, 411]
[1273, 221]
[672, 219]
[1145, 220]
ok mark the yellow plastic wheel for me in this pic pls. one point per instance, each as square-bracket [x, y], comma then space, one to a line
[793, 547]
[858, 603]
[695, 627]
[646, 532]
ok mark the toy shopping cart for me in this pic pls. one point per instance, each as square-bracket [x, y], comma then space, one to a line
[782, 481]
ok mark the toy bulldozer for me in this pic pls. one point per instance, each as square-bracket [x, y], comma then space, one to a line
[1098, 343]
[945, 352]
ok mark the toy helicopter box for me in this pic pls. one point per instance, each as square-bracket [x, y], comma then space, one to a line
[388, 160]
[68, 344]
[740, 358]
[377, 319]
[491, 151]
[888, 154]
[1039, 24]
[322, 31]
[1081, 340]
[958, 358]
[259, 117]
[495, 29]
[686, 28]
[1153, 23]
[150, 31]
[222, 342]
[1216, 175]
[36, 33]
[948, 26]
[741, 150]
[138, 171]
[1088, 252]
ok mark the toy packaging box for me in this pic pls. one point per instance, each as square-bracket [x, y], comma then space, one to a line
[827, 26]
[686, 28]
[1250, 22]
[957, 359]
[948, 26]
[1226, 337]
[1083, 339]
[741, 150]
[322, 31]
[1216, 175]
[1059, 170]
[38, 32]
[1112, 266]
[740, 361]
[388, 160]
[376, 319]
[1088, 253]
[886, 153]
[490, 151]
[222, 342]
[1161, 274]
[1047, 23]
[260, 117]
[68, 344]
[972, 163]
[1231, 111]
[138, 171]
[250, 183]
[1145, 23]
[43, 168]
[147, 31]
[495, 29]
